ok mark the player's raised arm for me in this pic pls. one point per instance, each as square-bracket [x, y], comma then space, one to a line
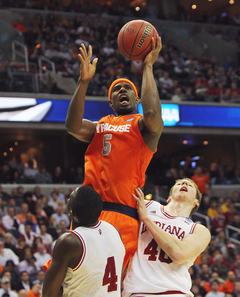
[150, 100]
[75, 124]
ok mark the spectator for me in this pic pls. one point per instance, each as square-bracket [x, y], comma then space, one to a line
[22, 216]
[79, 176]
[60, 215]
[219, 221]
[41, 215]
[10, 222]
[20, 24]
[2, 208]
[46, 237]
[212, 210]
[230, 281]
[41, 255]
[21, 244]
[53, 201]
[219, 267]
[40, 277]
[236, 292]
[4, 195]
[57, 176]
[178, 95]
[236, 267]
[214, 277]
[49, 210]
[5, 288]
[38, 240]
[37, 193]
[17, 165]
[31, 201]
[11, 271]
[214, 290]
[7, 254]
[60, 196]
[43, 177]
[9, 242]
[29, 220]
[35, 291]
[62, 228]
[201, 180]
[30, 173]
[29, 264]
[28, 234]
[24, 281]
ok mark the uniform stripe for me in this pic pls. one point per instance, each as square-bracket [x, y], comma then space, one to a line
[83, 250]
[192, 228]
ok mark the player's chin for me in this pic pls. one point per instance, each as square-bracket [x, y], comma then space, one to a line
[123, 110]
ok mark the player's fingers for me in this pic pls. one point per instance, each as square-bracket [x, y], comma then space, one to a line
[139, 192]
[159, 42]
[83, 53]
[135, 197]
[95, 61]
[80, 57]
[89, 51]
[153, 43]
[84, 50]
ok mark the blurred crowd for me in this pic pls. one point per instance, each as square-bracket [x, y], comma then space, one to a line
[179, 75]
[161, 172]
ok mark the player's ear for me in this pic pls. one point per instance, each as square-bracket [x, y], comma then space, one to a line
[169, 199]
[137, 99]
[110, 103]
[196, 202]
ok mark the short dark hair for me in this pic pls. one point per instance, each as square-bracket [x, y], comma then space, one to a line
[86, 205]
[198, 194]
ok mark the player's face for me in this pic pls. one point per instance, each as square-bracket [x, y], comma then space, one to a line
[123, 99]
[185, 190]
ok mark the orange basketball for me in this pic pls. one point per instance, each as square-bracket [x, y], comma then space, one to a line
[135, 39]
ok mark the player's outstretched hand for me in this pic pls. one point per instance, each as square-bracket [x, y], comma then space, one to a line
[87, 68]
[154, 53]
[139, 197]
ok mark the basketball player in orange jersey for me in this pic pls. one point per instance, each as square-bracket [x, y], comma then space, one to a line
[122, 146]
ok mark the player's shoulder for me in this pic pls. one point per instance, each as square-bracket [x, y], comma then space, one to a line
[152, 205]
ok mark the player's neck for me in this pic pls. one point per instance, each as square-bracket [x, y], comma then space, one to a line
[178, 209]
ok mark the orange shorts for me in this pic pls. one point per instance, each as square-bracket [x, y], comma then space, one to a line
[128, 227]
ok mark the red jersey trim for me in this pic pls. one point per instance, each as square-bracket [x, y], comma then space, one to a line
[192, 228]
[148, 203]
[83, 252]
[165, 213]
[158, 293]
[97, 225]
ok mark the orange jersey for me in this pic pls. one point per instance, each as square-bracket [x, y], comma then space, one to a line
[117, 159]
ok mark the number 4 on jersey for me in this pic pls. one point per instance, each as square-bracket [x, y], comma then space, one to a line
[110, 277]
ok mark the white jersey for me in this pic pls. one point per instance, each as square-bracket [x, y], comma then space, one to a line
[151, 271]
[99, 270]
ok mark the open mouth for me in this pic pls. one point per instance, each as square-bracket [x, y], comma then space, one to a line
[124, 99]
[183, 189]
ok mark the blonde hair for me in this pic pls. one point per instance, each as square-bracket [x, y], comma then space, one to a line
[198, 194]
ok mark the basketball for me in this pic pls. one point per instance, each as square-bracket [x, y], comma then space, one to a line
[135, 39]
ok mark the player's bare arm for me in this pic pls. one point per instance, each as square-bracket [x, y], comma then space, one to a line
[66, 253]
[179, 251]
[151, 125]
[75, 125]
